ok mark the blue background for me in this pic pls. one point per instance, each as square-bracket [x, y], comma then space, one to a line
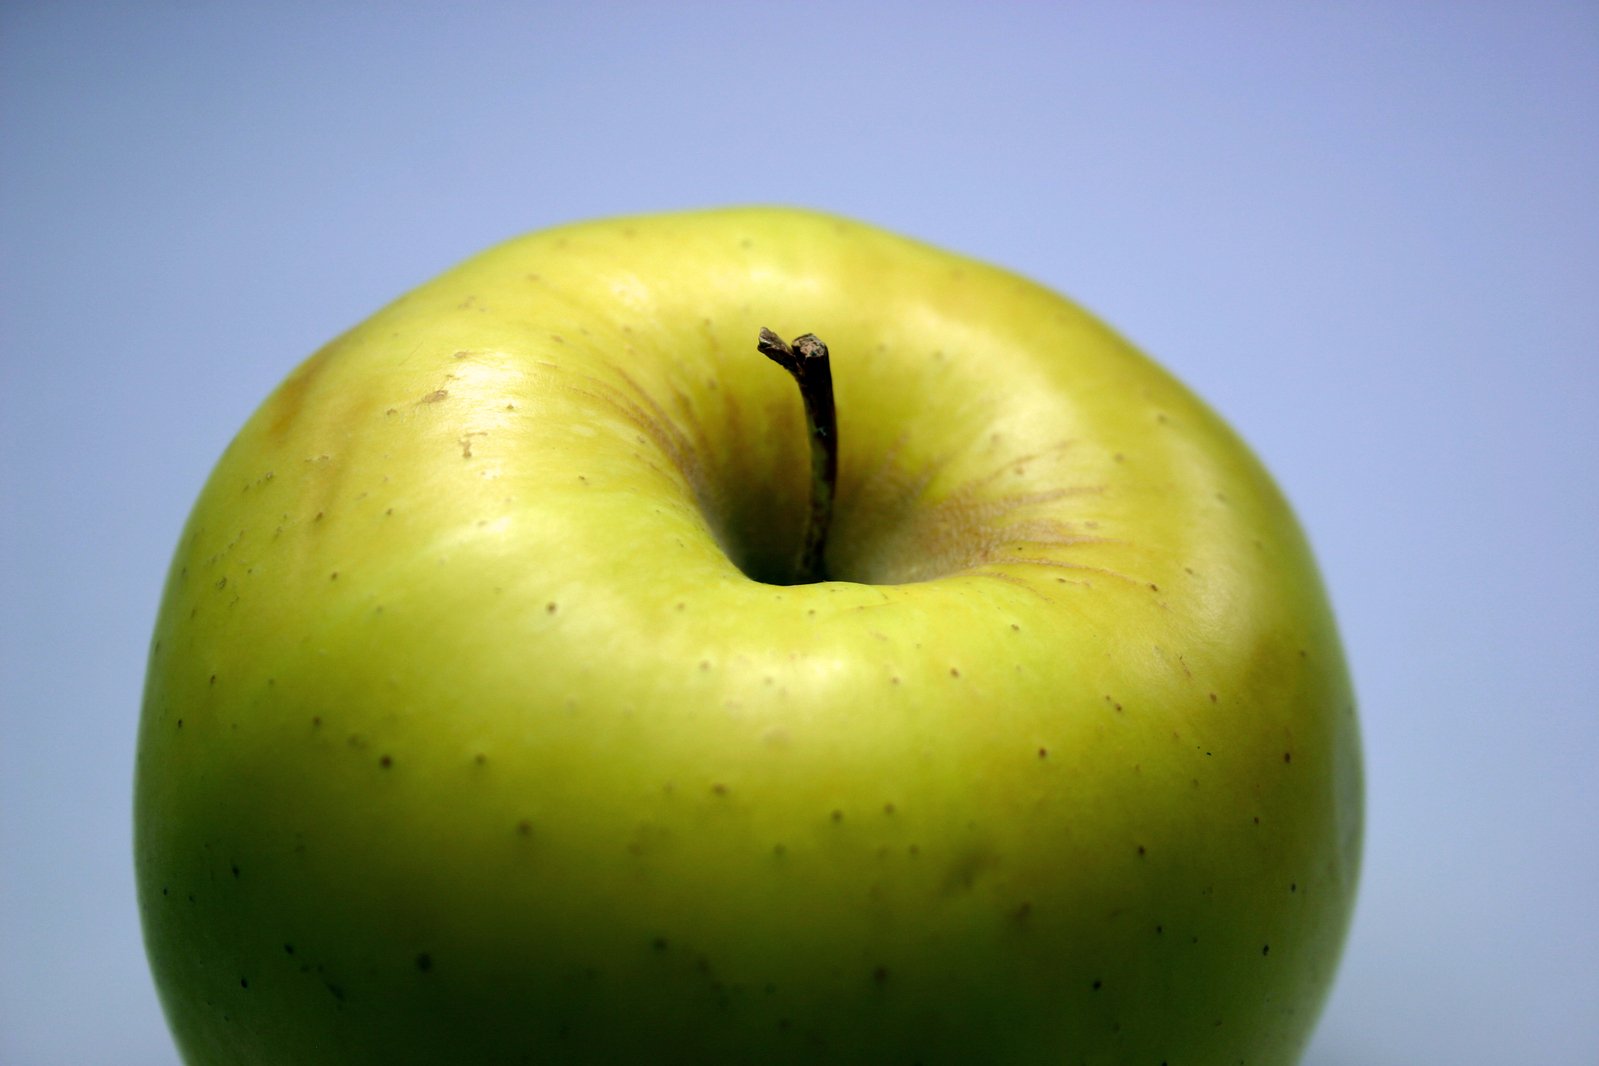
[1367, 233]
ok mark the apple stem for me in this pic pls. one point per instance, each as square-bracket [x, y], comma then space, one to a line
[807, 361]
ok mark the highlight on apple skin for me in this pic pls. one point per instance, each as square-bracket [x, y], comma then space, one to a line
[487, 719]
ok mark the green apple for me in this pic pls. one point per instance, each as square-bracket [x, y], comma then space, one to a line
[486, 721]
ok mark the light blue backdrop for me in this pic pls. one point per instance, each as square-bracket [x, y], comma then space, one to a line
[1368, 233]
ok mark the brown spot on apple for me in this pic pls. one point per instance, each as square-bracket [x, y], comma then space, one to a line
[289, 400]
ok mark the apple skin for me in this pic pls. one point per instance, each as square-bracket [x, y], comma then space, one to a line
[470, 734]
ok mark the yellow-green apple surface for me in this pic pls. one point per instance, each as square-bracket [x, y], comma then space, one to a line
[488, 719]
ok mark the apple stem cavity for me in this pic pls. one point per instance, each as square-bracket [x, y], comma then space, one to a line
[806, 360]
